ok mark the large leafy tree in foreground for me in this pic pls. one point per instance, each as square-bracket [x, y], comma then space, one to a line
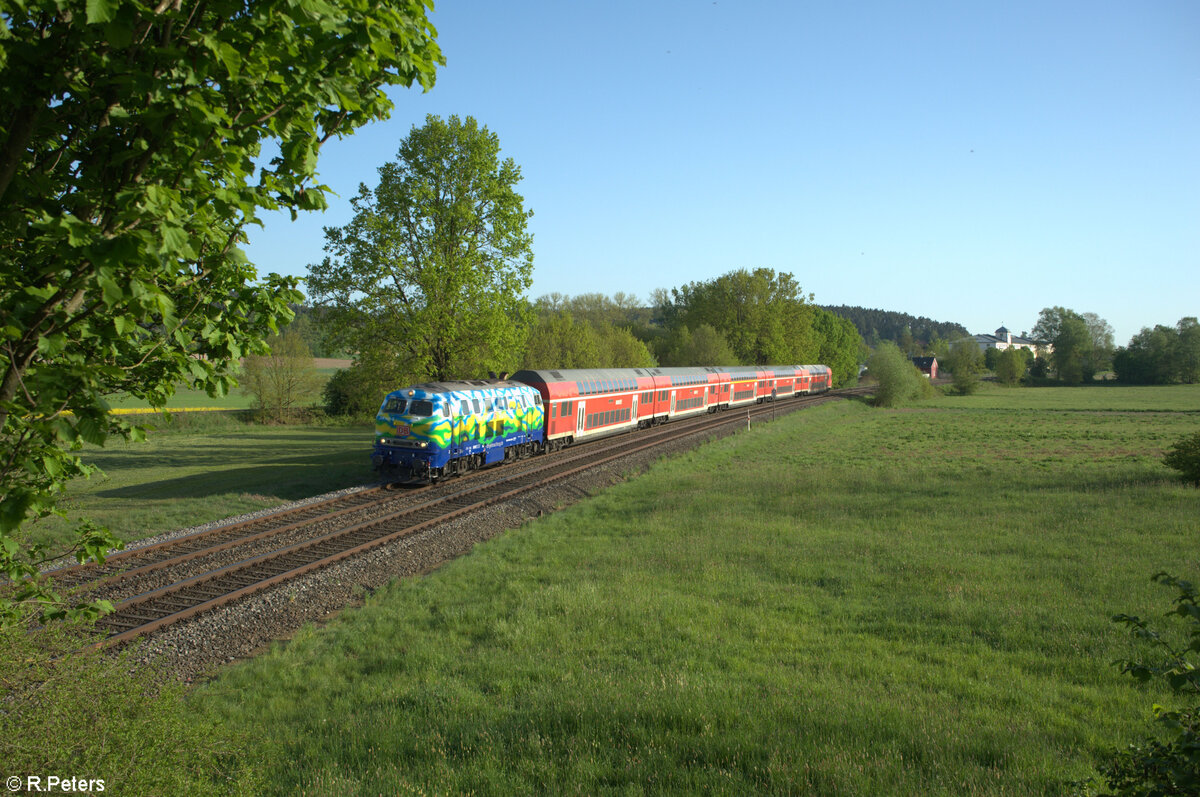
[130, 148]
[431, 272]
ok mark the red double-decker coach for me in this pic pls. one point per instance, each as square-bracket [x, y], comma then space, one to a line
[586, 403]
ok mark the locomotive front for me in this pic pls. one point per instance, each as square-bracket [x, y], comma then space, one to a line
[412, 433]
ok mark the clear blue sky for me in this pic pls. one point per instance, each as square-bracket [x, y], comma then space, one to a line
[966, 161]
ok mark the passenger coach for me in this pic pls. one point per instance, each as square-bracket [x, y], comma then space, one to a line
[585, 403]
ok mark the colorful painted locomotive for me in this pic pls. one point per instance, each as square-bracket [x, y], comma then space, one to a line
[437, 428]
[441, 428]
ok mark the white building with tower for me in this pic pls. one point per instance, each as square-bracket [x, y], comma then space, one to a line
[1003, 339]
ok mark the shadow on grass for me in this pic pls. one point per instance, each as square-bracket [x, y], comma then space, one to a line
[287, 478]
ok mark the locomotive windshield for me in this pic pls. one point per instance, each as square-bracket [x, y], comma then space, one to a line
[422, 408]
[394, 405]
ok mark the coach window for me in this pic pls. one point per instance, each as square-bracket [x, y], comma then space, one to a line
[464, 407]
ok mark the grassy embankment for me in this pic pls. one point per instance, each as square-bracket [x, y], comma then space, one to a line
[850, 601]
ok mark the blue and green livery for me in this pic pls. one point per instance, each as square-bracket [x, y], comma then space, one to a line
[436, 428]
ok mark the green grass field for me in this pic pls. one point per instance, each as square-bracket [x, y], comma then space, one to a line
[204, 467]
[848, 601]
[186, 398]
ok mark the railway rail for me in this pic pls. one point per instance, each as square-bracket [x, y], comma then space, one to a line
[196, 573]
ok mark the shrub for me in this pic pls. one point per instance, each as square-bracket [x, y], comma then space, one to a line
[358, 391]
[1169, 764]
[898, 379]
[965, 362]
[1184, 457]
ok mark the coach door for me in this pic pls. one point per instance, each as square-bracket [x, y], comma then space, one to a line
[672, 402]
[579, 422]
[633, 410]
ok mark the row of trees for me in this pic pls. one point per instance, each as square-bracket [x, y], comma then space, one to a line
[1083, 347]
[1161, 355]
[914, 335]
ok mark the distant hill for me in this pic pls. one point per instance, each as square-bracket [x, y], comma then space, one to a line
[877, 325]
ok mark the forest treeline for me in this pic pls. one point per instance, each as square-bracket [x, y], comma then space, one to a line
[744, 317]
[912, 334]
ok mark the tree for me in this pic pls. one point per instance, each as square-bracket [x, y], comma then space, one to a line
[1082, 343]
[1011, 364]
[284, 378]
[433, 268]
[898, 380]
[965, 362]
[622, 349]
[359, 389]
[763, 315]
[1150, 358]
[991, 356]
[1188, 354]
[1161, 355]
[841, 347]
[706, 346]
[128, 173]
[1100, 351]
[558, 340]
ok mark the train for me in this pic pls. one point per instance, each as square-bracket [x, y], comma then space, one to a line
[436, 429]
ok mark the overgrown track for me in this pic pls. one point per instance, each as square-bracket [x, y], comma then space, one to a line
[290, 544]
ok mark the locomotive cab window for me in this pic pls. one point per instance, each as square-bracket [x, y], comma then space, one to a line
[422, 408]
[394, 405]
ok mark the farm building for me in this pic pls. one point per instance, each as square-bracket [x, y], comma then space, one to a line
[927, 366]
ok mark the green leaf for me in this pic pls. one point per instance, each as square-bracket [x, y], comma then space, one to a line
[113, 295]
[230, 57]
[101, 10]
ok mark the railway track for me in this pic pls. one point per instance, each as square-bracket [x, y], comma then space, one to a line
[166, 583]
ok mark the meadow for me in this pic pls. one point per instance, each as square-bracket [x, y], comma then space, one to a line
[200, 467]
[847, 601]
